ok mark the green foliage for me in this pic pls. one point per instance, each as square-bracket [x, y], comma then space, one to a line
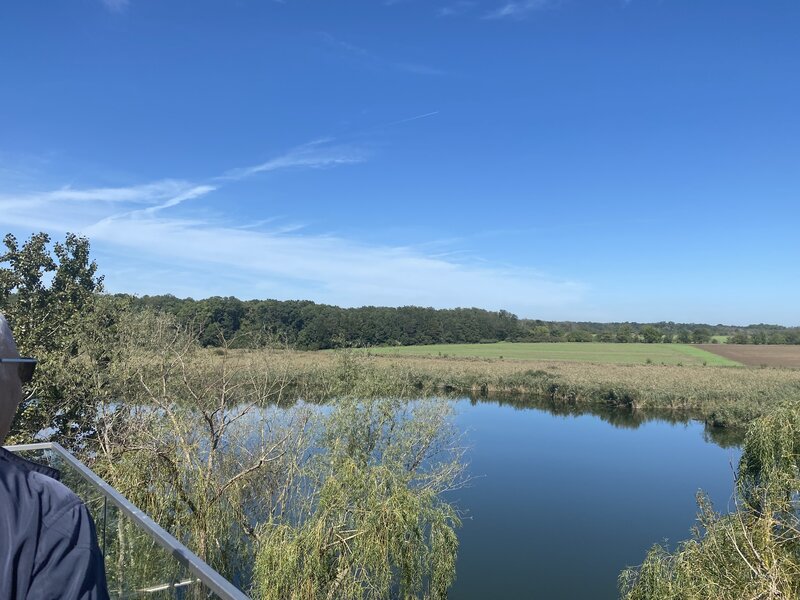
[312, 326]
[605, 337]
[651, 335]
[579, 335]
[753, 552]
[50, 297]
[306, 325]
[624, 334]
[620, 397]
[375, 525]
[739, 337]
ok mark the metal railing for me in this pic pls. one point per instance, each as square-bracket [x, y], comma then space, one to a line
[198, 571]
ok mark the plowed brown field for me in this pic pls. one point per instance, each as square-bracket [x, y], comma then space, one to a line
[757, 356]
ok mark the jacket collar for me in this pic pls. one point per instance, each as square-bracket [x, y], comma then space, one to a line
[28, 465]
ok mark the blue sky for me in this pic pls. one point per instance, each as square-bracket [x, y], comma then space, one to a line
[562, 159]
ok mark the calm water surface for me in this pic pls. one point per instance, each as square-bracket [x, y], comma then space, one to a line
[560, 504]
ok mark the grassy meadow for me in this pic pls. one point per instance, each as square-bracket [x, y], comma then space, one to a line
[601, 353]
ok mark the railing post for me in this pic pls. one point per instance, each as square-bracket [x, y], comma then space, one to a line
[105, 522]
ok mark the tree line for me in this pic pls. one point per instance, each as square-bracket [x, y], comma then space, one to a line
[307, 325]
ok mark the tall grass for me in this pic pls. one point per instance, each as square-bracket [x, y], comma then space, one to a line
[722, 396]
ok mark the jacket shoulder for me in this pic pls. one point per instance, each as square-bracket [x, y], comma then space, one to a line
[50, 534]
[33, 488]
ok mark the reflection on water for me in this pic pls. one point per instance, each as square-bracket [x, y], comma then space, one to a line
[617, 416]
[564, 497]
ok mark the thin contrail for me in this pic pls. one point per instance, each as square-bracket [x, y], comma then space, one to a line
[426, 115]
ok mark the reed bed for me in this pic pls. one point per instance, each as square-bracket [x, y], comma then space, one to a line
[721, 395]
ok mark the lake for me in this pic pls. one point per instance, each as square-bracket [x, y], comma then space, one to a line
[558, 505]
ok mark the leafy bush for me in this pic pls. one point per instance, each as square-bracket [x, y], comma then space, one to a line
[375, 525]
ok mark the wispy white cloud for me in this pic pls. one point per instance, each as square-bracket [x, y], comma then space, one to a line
[374, 61]
[70, 209]
[151, 254]
[159, 190]
[153, 197]
[458, 8]
[165, 252]
[318, 154]
[426, 115]
[194, 192]
[518, 10]
[116, 5]
[156, 195]
[151, 239]
[325, 268]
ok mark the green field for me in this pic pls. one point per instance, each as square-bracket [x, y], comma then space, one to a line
[671, 354]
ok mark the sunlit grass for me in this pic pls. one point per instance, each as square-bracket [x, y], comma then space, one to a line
[721, 395]
[670, 354]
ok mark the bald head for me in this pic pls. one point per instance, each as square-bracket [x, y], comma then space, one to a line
[10, 385]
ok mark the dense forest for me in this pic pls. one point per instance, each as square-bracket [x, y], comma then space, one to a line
[307, 325]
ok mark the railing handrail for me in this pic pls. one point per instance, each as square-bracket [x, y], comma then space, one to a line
[213, 580]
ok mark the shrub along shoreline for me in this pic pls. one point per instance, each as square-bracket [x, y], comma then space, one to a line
[720, 396]
[752, 552]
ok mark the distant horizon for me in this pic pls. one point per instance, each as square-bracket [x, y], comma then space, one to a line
[592, 161]
[576, 321]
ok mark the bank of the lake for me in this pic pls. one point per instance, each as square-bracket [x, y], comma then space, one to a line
[725, 396]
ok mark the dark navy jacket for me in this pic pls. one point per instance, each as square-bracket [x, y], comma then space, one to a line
[48, 544]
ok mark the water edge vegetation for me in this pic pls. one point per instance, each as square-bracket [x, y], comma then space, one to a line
[721, 396]
[752, 552]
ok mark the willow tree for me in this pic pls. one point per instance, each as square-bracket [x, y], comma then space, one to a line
[197, 442]
[372, 522]
[337, 501]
